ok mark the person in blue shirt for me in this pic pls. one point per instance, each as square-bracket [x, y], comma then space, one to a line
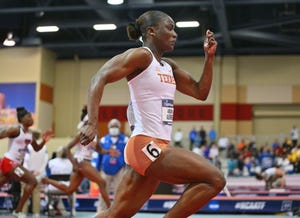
[212, 134]
[192, 136]
[112, 164]
[265, 158]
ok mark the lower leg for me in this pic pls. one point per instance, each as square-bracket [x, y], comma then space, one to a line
[36, 200]
[195, 197]
[26, 194]
[133, 191]
[104, 193]
[58, 185]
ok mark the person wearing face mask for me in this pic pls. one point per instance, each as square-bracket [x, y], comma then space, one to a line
[112, 164]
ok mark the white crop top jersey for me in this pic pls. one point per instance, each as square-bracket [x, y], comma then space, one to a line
[17, 146]
[85, 152]
[152, 100]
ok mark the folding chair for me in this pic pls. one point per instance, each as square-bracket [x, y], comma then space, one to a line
[52, 193]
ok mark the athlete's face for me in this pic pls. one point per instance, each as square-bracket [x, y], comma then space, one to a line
[27, 120]
[166, 35]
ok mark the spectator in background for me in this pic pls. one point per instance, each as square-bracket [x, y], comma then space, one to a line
[241, 145]
[214, 155]
[294, 135]
[232, 165]
[275, 145]
[178, 136]
[202, 134]
[198, 140]
[213, 152]
[223, 144]
[112, 163]
[198, 150]
[59, 165]
[287, 145]
[192, 137]
[35, 162]
[294, 157]
[265, 158]
[297, 163]
[212, 134]
[279, 150]
[284, 163]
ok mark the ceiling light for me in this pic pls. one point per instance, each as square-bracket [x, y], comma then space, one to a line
[184, 24]
[43, 29]
[105, 27]
[9, 41]
[115, 2]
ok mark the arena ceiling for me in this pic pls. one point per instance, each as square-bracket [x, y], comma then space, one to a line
[242, 27]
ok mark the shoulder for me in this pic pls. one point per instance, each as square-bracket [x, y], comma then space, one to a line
[138, 54]
[13, 131]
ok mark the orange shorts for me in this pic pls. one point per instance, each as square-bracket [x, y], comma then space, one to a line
[142, 150]
[7, 165]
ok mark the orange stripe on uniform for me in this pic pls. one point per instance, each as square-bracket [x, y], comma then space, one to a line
[135, 157]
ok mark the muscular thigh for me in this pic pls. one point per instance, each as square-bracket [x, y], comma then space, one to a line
[90, 172]
[133, 188]
[141, 151]
[20, 173]
[179, 165]
[75, 180]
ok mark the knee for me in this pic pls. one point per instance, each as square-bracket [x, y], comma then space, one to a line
[32, 182]
[218, 181]
[30, 185]
[69, 191]
[102, 184]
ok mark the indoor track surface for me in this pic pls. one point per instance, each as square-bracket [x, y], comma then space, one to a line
[4, 214]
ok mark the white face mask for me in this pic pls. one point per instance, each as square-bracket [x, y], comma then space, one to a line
[114, 131]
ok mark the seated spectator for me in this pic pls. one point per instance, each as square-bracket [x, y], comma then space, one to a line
[58, 166]
[294, 156]
[275, 145]
[232, 166]
[241, 145]
[223, 144]
[284, 163]
[265, 158]
[198, 150]
[287, 145]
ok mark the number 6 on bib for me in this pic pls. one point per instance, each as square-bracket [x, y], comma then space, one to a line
[152, 151]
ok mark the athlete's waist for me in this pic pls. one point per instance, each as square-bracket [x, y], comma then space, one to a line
[12, 157]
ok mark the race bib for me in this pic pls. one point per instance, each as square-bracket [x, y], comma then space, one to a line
[152, 151]
[167, 111]
[19, 172]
